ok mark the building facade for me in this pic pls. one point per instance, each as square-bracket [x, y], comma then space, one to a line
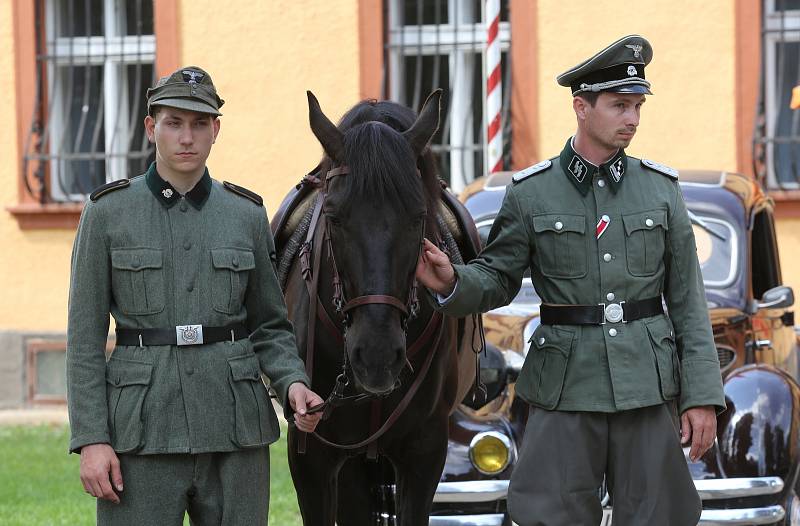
[77, 70]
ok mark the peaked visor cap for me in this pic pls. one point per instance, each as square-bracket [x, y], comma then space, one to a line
[618, 68]
[189, 88]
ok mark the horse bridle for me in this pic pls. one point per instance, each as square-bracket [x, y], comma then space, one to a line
[409, 309]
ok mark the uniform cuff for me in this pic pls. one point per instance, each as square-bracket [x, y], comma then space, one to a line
[76, 443]
[442, 300]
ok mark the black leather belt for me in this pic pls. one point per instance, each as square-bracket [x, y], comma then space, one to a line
[600, 314]
[181, 335]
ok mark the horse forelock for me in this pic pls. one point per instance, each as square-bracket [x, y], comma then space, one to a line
[382, 167]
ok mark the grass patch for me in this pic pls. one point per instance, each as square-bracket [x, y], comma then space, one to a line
[39, 481]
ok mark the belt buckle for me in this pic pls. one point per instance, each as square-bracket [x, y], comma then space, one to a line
[613, 313]
[189, 334]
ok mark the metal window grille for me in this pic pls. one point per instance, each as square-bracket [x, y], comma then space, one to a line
[441, 44]
[776, 138]
[94, 63]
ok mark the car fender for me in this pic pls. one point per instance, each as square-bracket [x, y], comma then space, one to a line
[758, 431]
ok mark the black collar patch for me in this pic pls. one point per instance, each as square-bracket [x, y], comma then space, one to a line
[577, 168]
[580, 171]
[615, 169]
[167, 195]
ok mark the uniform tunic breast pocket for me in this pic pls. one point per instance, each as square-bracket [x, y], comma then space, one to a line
[645, 236]
[137, 280]
[231, 273]
[561, 245]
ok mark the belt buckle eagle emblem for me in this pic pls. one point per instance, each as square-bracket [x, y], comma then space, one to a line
[189, 334]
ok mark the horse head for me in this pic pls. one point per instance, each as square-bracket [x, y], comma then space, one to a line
[376, 208]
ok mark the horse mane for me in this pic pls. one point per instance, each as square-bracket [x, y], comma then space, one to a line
[364, 126]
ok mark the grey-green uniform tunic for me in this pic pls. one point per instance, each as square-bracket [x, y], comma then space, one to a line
[154, 259]
[548, 222]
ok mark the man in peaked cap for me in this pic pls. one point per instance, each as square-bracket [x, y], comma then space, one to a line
[178, 419]
[606, 237]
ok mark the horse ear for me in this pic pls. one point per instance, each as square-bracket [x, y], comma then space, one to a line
[421, 132]
[327, 133]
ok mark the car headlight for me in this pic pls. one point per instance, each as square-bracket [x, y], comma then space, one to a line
[490, 452]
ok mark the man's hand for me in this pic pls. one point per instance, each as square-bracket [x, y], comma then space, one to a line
[301, 398]
[435, 271]
[97, 462]
[699, 424]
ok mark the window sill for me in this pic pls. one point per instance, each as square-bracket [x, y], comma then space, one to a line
[34, 216]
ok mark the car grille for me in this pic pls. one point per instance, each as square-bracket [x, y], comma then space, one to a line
[726, 356]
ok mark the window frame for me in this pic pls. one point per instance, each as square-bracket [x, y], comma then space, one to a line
[30, 213]
[524, 114]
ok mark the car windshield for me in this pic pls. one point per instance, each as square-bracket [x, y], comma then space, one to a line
[716, 250]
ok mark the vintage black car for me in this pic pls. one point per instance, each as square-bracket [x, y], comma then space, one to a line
[750, 476]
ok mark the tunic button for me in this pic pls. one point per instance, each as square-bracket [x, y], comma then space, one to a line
[601, 183]
[183, 207]
[559, 225]
[648, 222]
[541, 341]
[190, 287]
[606, 257]
[187, 245]
[610, 296]
[135, 262]
[189, 371]
[606, 219]
[235, 261]
[612, 332]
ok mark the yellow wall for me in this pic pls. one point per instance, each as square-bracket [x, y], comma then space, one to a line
[263, 62]
[689, 122]
[262, 65]
[789, 250]
[34, 266]
[263, 56]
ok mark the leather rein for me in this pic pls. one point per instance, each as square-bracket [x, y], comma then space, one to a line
[317, 238]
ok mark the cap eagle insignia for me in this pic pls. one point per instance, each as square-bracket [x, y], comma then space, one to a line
[637, 49]
[192, 76]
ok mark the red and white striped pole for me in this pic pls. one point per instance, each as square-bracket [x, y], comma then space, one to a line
[494, 91]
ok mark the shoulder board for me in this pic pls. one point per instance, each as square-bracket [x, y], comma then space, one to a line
[531, 170]
[244, 192]
[661, 168]
[109, 187]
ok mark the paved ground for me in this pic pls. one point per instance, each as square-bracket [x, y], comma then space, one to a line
[33, 416]
[56, 415]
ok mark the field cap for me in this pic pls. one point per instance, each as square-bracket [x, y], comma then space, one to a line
[618, 68]
[188, 88]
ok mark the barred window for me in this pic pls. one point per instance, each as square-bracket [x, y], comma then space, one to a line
[94, 63]
[441, 44]
[777, 134]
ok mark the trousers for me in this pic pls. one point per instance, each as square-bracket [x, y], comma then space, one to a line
[215, 489]
[566, 455]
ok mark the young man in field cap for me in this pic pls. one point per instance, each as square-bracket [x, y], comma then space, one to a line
[178, 419]
[606, 237]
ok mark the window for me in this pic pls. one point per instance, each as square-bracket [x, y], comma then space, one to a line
[441, 44]
[777, 136]
[94, 63]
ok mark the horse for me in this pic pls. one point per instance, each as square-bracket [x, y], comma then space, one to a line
[387, 362]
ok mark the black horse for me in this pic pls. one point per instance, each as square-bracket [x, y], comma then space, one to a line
[391, 361]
